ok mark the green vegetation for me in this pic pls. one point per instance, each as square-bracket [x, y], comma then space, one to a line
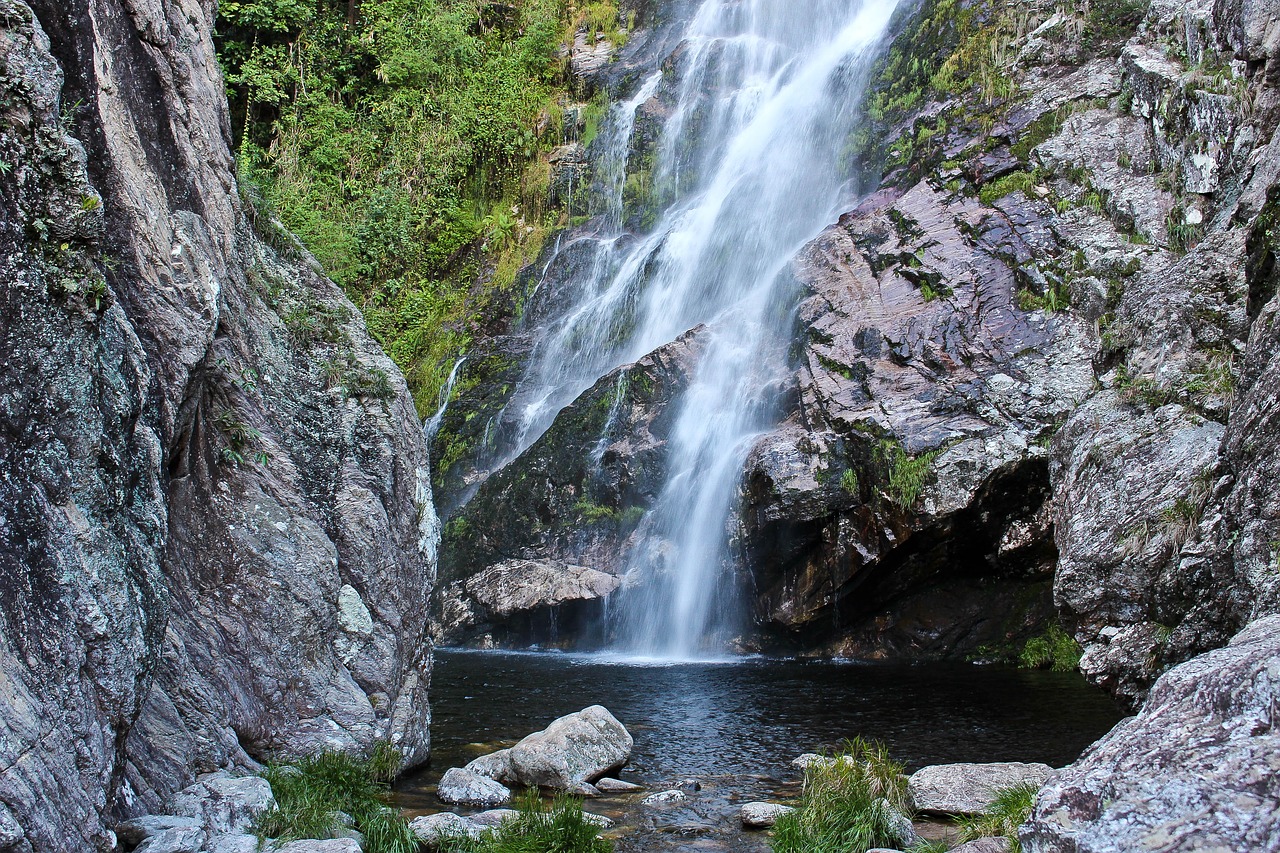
[1055, 649]
[241, 439]
[403, 141]
[1010, 809]
[1013, 182]
[849, 481]
[842, 805]
[539, 827]
[316, 795]
[906, 474]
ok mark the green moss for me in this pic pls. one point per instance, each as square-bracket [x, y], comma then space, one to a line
[1055, 649]
[1011, 183]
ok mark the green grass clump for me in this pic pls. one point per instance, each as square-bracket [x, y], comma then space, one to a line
[1010, 809]
[907, 474]
[842, 807]
[312, 795]
[1055, 650]
[539, 827]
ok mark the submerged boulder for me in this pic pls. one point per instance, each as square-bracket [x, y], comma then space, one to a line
[1197, 768]
[969, 788]
[576, 748]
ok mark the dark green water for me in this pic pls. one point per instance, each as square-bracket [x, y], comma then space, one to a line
[735, 726]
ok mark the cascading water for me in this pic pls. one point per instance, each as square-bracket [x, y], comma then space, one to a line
[765, 103]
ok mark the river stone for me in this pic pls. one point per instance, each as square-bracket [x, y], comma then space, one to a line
[493, 817]
[597, 820]
[576, 748]
[184, 840]
[762, 815]
[463, 788]
[899, 824]
[225, 803]
[1197, 768]
[495, 766]
[429, 829]
[134, 831]
[991, 844]
[969, 788]
[609, 785]
[663, 798]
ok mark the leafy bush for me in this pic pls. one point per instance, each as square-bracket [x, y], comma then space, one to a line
[1055, 650]
[1010, 809]
[314, 794]
[842, 806]
[538, 827]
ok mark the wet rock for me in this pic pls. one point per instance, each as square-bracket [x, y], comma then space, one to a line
[225, 803]
[662, 798]
[968, 788]
[762, 815]
[597, 820]
[464, 788]
[1196, 768]
[430, 829]
[588, 57]
[609, 785]
[576, 748]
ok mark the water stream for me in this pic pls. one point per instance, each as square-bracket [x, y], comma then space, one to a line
[764, 101]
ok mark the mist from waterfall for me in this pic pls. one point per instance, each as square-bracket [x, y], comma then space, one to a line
[765, 105]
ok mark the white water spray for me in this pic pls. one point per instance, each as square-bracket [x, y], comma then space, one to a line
[765, 104]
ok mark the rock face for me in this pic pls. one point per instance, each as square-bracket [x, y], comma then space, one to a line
[1197, 768]
[520, 598]
[190, 497]
[968, 789]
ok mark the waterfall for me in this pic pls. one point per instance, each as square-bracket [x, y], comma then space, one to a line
[765, 102]
[431, 425]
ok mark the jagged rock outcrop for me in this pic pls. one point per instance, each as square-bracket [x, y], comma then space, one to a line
[216, 541]
[1196, 769]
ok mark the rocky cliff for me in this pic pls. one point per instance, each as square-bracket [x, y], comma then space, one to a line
[1032, 371]
[216, 541]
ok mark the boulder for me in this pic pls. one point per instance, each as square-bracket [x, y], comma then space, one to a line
[312, 845]
[663, 798]
[609, 785]
[232, 843]
[992, 844]
[134, 831]
[431, 828]
[10, 832]
[461, 787]
[762, 815]
[174, 841]
[225, 803]
[968, 788]
[899, 824]
[493, 817]
[576, 748]
[495, 766]
[597, 820]
[1197, 768]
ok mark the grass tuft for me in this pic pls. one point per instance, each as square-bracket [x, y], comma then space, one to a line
[317, 795]
[1055, 650]
[1010, 809]
[842, 806]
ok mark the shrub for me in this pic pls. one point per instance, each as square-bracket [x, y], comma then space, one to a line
[1010, 809]
[842, 806]
[538, 827]
[314, 794]
[1055, 650]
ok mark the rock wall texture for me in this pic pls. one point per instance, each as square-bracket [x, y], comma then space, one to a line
[216, 540]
